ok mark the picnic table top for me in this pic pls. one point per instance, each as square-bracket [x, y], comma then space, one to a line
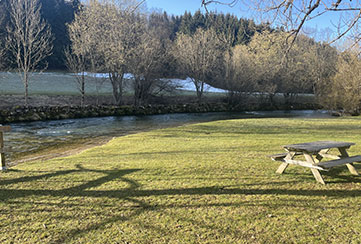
[317, 146]
[4, 128]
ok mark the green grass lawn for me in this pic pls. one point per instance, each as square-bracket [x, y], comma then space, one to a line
[202, 183]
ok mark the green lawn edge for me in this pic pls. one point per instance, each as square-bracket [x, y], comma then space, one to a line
[202, 183]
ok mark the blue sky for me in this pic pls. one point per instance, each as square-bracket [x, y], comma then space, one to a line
[178, 7]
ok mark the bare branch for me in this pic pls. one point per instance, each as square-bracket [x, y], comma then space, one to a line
[311, 9]
[293, 14]
[343, 9]
[348, 29]
[230, 3]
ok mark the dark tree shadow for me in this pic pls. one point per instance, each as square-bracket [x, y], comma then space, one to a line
[133, 191]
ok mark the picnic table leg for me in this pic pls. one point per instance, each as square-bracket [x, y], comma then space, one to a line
[319, 157]
[284, 166]
[2, 155]
[316, 173]
[350, 166]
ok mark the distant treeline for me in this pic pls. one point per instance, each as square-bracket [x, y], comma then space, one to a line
[238, 30]
[58, 13]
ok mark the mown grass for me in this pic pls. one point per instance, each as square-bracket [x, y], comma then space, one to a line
[202, 183]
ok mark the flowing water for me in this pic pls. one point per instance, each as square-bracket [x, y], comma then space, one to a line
[30, 137]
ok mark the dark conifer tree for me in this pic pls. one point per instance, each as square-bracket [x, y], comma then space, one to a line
[58, 13]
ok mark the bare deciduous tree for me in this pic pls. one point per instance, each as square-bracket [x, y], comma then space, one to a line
[266, 52]
[291, 74]
[294, 14]
[344, 90]
[239, 71]
[76, 63]
[29, 38]
[199, 57]
[107, 31]
[147, 64]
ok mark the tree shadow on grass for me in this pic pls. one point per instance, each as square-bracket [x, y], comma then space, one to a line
[133, 191]
[343, 174]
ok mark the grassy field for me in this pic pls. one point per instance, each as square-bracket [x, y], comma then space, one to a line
[51, 83]
[63, 83]
[202, 183]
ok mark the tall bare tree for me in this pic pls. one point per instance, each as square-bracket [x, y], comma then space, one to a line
[239, 73]
[344, 90]
[82, 55]
[77, 64]
[291, 74]
[29, 38]
[107, 31]
[199, 57]
[266, 52]
[148, 62]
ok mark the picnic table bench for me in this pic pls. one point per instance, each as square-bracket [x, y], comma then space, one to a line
[313, 153]
[2, 151]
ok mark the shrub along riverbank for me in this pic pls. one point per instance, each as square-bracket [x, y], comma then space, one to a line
[201, 183]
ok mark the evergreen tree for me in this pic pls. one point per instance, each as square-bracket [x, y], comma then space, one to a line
[185, 25]
[58, 13]
[233, 30]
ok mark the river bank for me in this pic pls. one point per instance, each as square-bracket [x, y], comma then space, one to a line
[43, 139]
[62, 107]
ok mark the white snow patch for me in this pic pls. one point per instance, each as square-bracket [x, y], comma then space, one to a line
[186, 85]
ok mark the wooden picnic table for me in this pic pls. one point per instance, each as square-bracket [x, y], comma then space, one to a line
[2, 152]
[314, 153]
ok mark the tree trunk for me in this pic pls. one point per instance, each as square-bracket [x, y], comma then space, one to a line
[199, 89]
[26, 87]
[117, 85]
[115, 92]
[137, 92]
[200, 92]
[120, 90]
[82, 90]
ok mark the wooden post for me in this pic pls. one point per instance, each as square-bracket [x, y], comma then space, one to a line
[2, 154]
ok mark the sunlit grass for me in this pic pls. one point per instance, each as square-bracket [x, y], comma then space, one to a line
[203, 183]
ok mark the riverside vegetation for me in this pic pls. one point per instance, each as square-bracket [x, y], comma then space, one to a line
[202, 183]
[121, 38]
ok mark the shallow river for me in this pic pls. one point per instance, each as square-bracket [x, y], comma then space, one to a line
[32, 136]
